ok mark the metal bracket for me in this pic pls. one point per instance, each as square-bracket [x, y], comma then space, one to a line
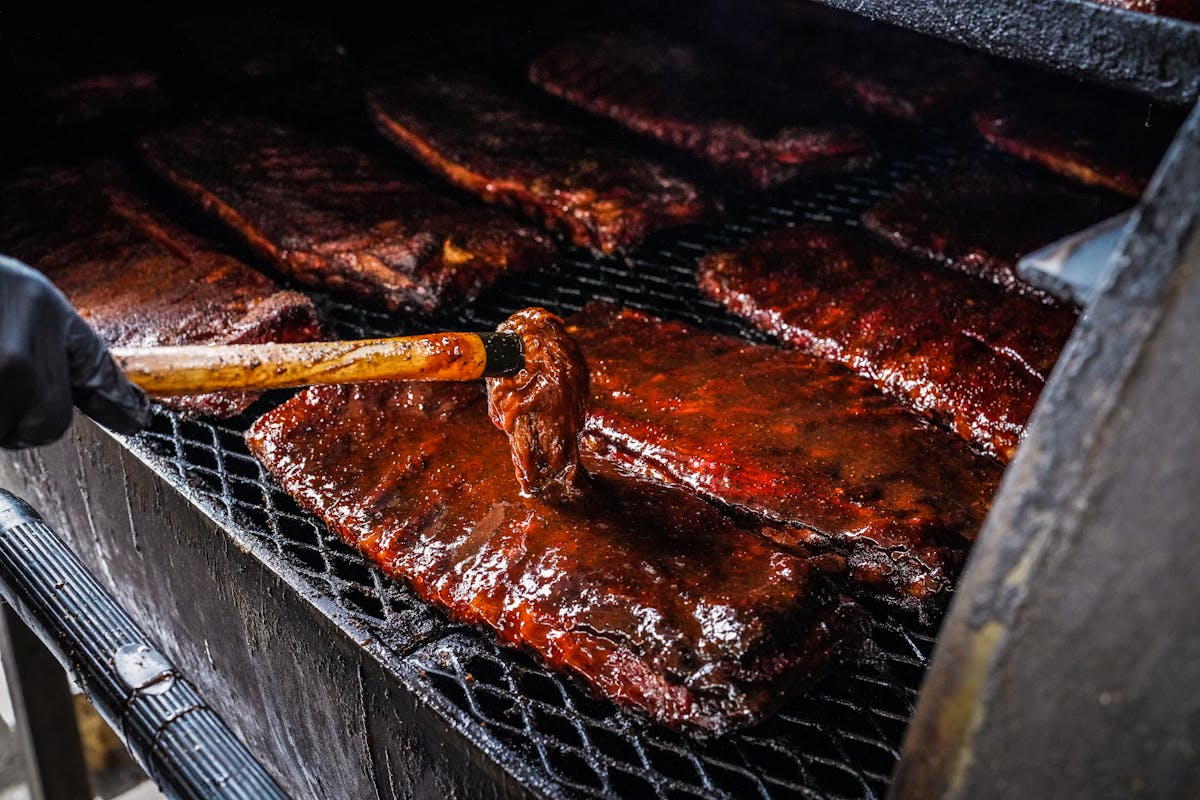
[1071, 268]
[45, 715]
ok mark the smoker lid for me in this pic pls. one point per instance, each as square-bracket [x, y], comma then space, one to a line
[1158, 57]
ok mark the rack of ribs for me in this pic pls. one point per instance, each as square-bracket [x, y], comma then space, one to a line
[759, 132]
[646, 592]
[139, 279]
[1100, 139]
[819, 453]
[982, 220]
[335, 217]
[511, 150]
[961, 351]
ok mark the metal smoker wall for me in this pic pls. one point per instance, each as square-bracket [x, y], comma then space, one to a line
[1068, 663]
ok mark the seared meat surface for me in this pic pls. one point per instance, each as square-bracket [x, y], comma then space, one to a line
[959, 350]
[757, 131]
[508, 150]
[1101, 139]
[981, 221]
[139, 279]
[647, 593]
[335, 217]
[780, 435]
[543, 407]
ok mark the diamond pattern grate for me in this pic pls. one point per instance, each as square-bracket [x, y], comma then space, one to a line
[839, 741]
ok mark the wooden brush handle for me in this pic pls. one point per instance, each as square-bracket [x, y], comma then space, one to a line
[196, 369]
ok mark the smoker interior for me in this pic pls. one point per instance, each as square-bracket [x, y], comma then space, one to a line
[840, 740]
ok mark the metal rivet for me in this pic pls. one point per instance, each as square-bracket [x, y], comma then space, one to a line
[143, 669]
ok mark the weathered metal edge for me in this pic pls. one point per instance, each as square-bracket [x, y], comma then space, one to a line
[1038, 550]
[1155, 56]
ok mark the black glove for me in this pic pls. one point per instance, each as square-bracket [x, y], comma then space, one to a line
[49, 359]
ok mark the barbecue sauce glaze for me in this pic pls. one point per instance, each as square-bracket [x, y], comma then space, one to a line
[830, 461]
[650, 594]
[963, 352]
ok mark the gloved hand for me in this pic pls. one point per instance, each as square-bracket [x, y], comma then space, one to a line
[49, 359]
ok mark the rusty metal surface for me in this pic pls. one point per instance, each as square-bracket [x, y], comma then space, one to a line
[1156, 56]
[1068, 663]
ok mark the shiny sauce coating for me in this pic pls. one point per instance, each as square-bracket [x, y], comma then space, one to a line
[831, 462]
[543, 407]
[959, 350]
[648, 593]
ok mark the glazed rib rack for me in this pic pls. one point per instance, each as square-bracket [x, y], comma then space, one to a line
[841, 740]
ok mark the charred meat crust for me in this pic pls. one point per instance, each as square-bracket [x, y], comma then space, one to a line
[981, 220]
[510, 151]
[139, 279]
[335, 217]
[1096, 138]
[756, 131]
[883, 71]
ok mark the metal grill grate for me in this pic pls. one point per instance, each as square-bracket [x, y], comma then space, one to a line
[839, 741]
